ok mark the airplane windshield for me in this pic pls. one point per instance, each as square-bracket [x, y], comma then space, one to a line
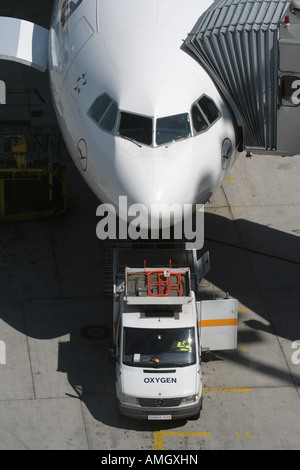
[145, 347]
[172, 128]
[135, 127]
[139, 129]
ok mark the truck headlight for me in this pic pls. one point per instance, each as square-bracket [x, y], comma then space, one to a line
[128, 399]
[190, 399]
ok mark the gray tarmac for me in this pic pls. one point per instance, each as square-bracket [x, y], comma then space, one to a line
[57, 386]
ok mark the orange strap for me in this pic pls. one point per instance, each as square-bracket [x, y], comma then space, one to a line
[223, 322]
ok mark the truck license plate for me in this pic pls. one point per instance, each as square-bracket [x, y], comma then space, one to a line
[162, 417]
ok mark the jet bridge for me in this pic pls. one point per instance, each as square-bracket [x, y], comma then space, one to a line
[251, 49]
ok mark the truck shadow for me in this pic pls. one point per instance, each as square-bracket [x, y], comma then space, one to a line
[92, 377]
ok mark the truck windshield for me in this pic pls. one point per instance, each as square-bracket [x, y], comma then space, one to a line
[173, 347]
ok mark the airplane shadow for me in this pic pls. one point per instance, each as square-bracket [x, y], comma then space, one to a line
[58, 298]
[269, 266]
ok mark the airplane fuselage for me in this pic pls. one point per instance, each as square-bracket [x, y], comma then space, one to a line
[139, 115]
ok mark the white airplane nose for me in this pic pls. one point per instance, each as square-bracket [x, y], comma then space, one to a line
[156, 187]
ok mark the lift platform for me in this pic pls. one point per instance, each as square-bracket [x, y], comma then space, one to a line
[32, 173]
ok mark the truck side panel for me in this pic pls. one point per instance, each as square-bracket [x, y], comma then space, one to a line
[217, 320]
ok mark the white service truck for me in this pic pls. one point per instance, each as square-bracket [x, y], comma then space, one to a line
[160, 330]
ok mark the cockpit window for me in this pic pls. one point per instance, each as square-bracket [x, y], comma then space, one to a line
[99, 107]
[104, 111]
[108, 122]
[199, 122]
[135, 127]
[172, 128]
[209, 108]
[204, 113]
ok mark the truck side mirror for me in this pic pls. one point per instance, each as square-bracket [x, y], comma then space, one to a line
[112, 357]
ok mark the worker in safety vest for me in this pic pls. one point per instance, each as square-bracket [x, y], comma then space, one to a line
[178, 346]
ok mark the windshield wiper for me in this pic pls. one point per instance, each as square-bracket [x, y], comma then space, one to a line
[130, 140]
[173, 364]
[179, 139]
[161, 365]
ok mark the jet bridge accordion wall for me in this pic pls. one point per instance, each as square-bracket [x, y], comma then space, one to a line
[237, 42]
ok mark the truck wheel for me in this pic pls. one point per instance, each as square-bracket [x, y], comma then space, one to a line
[120, 416]
[197, 415]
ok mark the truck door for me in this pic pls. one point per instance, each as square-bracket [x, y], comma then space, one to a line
[217, 320]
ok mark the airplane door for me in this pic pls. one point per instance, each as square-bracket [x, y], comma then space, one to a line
[217, 320]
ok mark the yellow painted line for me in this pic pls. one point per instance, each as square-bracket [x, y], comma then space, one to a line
[229, 179]
[230, 208]
[158, 440]
[238, 390]
[159, 437]
[223, 322]
[187, 433]
[242, 309]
